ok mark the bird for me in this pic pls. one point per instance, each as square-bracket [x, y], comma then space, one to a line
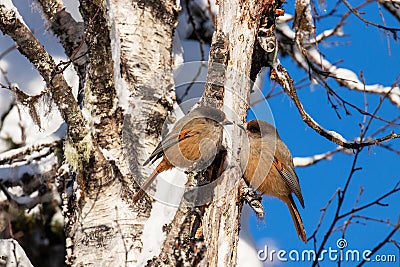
[270, 169]
[191, 145]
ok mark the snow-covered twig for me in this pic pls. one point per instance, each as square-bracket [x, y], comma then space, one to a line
[311, 160]
[61, 93]
[25, 202]
[21, 153]
[12, 254]
[310, 58]
[392, 7]
[281, 75]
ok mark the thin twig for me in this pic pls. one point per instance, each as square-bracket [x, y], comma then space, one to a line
[284, 79]
[382, 243]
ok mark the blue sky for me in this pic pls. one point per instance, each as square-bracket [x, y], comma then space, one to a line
[367, 52]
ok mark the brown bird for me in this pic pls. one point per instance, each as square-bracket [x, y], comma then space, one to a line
[270, 169]
[191, 145]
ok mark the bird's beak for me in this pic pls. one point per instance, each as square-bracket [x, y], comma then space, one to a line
[226, 122]
[241, 126]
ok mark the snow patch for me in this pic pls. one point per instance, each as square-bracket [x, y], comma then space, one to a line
[13, 253]
[177, 50]
[222, 245]
[247, 250]
[123, 94]
[161, 214]
[10, 6]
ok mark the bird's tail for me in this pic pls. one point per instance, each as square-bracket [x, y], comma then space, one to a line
[298, 223]
[146, 184]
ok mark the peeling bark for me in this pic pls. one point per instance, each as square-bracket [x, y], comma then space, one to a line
[239, 22]
[130, 62]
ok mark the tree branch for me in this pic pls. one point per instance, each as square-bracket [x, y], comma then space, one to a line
[357, 14]
[281, 75]
[311, 59]
[72, 37]
[382, 243]
[392, 7]
[340, 195]
[311, 160]
[375, 202]
[61, 93]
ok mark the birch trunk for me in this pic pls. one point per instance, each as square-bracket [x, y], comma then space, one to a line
[129, 86]
[238, 21]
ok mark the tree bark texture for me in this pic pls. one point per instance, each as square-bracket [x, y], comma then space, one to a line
[127, 93]
[123, 58]
[238, 22]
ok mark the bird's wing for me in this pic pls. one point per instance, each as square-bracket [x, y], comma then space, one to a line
[169, 140]
[290, 177]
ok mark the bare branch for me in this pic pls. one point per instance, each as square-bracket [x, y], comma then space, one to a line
[8, 50]
[375, 202]
[382, 243]
[341, 195]
[323, 212]
[71, 35]
[357, 14]
[382, 221]
[189, 5]
[61, 93]
[283, 78]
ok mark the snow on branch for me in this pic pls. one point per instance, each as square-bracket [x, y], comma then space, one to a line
[281, 76]
[27, 174]
[392, 7]
[24, 164]
[309, 57]
[24, 201]
[12, 254]
[72, 37]
[350, 80]
[30, 47]
[311, 160]
[26, 153]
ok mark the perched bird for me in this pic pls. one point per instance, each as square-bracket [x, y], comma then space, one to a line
[270, 169]
[191, 145]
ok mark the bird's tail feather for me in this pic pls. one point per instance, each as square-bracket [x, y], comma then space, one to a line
[146, 184]
[298, 223]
